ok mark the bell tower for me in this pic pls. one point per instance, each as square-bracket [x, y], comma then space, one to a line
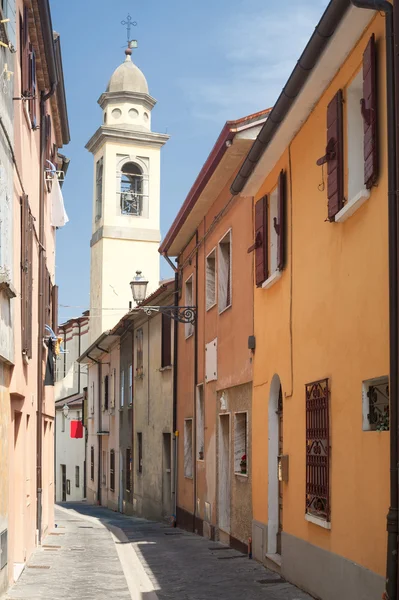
[126, 198]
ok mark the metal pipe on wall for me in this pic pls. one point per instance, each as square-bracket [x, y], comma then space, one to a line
[174, 410]
[194, 433]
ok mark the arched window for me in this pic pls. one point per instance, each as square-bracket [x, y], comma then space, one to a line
[99, 188]
[131, 190]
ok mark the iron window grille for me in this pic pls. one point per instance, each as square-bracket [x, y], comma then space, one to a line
[378, 405]
[92, 463]
[318, 449]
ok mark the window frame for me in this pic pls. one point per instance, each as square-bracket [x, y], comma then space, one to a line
[236, 464]
[189, 327]
[166, 341]
[128, 477]
[139, 452]
[139, 352]
[77, 476]
[112, 470]
[99, 188]
[122, 389]
[186, 421]
[92, 463]
[221, 242]
[209, 306]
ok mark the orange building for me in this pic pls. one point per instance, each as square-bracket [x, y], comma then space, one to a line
[210, 237]
[320, 411]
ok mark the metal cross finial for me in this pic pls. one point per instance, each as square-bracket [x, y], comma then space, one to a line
[129, 23]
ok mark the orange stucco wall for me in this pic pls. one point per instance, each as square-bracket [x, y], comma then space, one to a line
[328, 317]
[234, 361]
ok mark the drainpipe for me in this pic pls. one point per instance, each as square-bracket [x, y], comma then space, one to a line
[195, 383]
[175, 432]
[41, 319]
[393, 141]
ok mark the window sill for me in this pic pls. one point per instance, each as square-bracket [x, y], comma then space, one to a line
[243, 475]
[224, 309]
[168, 368]
[317, 521]
[271, 280]
[189, 477]
[352, 205]
[189, 336]
[211, 306]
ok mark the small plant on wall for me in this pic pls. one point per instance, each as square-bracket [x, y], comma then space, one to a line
[243, 464]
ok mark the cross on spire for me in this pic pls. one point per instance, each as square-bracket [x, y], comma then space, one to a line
[129, 23]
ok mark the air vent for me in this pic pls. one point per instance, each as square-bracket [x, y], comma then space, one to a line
[3, 549]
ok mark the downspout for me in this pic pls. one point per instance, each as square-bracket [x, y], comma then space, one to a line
[175, 432]
[79, 351]
[393, 141]
[40, 337]
[195, 385]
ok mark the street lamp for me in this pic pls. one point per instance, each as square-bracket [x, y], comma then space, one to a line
[183, 314]
[139, 287]
[65, 410]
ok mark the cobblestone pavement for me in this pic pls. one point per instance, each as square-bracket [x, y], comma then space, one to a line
[175, 564]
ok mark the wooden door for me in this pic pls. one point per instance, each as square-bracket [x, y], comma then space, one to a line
[280, 483]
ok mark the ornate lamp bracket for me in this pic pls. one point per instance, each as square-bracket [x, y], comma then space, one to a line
[182, 314]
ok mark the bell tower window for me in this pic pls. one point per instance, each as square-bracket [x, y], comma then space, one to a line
[131, 190]
[99, 188]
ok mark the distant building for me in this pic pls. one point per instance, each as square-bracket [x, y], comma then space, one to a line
[71, 381]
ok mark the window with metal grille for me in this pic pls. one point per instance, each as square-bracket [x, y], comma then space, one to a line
[318, 449]
[77, 478]
[128, 469]
[112, 470]
[92, 463]
[140, 452]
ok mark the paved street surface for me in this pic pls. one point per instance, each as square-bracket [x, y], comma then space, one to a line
[96, 554]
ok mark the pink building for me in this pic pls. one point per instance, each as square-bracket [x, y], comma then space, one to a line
[37, 126]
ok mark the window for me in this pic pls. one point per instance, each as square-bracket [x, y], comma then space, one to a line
[77, 477]
[188, 448]
[112, 470]
[122, 399]
[273, 237]
[376, 404]
[318, 450]
[211, 279]
[92, 463]
[106, 392]
[224, 272]
[129, 470]
[130, 384]
[131, 190]
[113, 388]
[63, 421]
[26, 276]
[166, 348]
[92, 398]
[139, 353]
[240, 443]
[104, 465]
[188, 301]
[32, 86]
[140, 452]
[200, 422]
[99, 188]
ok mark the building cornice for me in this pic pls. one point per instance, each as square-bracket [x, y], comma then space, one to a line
[126, 233]
[121, 135]
[146, 99]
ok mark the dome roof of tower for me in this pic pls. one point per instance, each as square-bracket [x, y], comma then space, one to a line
[128, 78]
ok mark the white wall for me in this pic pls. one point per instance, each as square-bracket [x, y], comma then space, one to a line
[69, 452]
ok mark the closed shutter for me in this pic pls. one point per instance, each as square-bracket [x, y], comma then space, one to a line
[334, 156]
[260, 245]
[370, 114]
[26, 276]
[24, 50]
[30, 283]
[32, 85]
[54, 309]
[166, 358]
[281, 225]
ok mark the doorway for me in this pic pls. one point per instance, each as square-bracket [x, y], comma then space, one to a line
[63, 483]
[166, 474]
[275, 487]
[224, 473]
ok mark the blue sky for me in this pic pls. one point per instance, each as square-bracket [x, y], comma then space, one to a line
[205, 61]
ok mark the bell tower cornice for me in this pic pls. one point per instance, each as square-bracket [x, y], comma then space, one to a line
[123, 136]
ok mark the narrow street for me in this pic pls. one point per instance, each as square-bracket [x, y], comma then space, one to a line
[96, 554]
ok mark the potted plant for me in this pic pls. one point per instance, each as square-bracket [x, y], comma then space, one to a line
[243, 464]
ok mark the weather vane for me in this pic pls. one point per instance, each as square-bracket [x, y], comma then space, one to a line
[129, 24]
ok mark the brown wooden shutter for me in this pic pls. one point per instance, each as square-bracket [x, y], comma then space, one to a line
[54, 308]
[29, 285]
[370, 113]
[260, 246]
[166, 358]
[281, 225]
[335, 156]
